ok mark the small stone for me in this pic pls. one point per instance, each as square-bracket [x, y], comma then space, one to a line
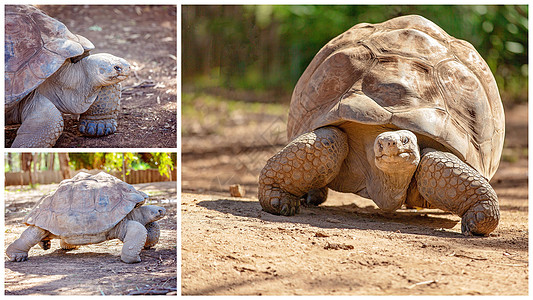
[236, 190]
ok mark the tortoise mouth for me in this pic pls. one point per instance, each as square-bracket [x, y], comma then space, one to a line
[120, 77]
[398, 157]
[403, 160]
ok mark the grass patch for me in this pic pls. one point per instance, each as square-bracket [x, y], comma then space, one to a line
[207, 114]
[196, 105]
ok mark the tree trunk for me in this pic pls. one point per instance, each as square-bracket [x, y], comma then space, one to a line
[123, 168]
[10, 161]
[36, 162]
[25, 164]
[63, 165]
[50, 161]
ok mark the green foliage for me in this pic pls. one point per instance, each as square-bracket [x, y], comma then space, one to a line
[116, 161]
[265, 47]
[83, 160]
[164, 163]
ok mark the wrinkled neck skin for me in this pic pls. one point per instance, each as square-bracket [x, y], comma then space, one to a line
[387, 189]
[72, 89]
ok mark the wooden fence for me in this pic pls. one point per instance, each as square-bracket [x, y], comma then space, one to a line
[48, 177]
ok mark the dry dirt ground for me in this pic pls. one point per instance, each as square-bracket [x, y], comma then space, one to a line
[92, 269]
[146, 36]
[345, 246]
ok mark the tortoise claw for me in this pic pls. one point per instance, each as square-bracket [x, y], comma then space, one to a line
[98, 127]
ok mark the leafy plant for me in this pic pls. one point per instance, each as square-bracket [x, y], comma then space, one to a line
[267, 47]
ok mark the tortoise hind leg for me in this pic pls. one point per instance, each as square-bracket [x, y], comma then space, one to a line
[66, 246]
[316, 196]
[450, 184]
[45, 243]
[18, 250]
[307, 163]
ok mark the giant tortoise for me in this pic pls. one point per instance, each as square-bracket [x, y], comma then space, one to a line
[399, 112]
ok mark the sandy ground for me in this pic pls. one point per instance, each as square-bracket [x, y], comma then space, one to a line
[144, 35]
[92, 269]
[345, 246]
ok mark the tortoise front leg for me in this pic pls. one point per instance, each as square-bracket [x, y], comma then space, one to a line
[134, 240]
[152, 236]
[18, 250]
[309, 162]
[101, 118]
[448, 183]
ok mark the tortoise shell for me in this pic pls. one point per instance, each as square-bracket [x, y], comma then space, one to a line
[36, 46]
[85, 205]
[409, 74]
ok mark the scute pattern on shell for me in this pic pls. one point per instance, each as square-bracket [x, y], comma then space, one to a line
[84, 205]
[406, 72]
[36, 46]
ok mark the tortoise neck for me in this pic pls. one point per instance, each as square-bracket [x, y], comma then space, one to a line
[388, 191]
[387, 187]
[70, 88]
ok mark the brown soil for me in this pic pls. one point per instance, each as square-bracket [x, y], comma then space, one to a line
[91, 269]
[345, 246]
[146, 37]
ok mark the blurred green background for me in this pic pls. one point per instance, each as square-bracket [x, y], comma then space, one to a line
[258, 52]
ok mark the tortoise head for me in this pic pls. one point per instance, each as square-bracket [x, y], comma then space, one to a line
[106, 69]
[147, 213]
[396, 151]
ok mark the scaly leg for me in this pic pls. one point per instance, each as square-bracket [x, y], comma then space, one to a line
[153, 233]
[134, 241]
[101, 118]
[45, 243]
[450, 184]
[42, 124]
[309, 162]
[18, 250]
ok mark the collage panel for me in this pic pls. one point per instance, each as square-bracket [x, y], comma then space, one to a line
[91, 76]
[102, 78]
[354, 150]
[90, 223]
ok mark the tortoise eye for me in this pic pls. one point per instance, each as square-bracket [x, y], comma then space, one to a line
[118, 69]
[405, 140]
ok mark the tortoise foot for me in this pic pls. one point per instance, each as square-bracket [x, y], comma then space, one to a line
[279, 202]
[90, 127]
[480, 219]
[306, 164]
[17, 255]
[101, 118]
